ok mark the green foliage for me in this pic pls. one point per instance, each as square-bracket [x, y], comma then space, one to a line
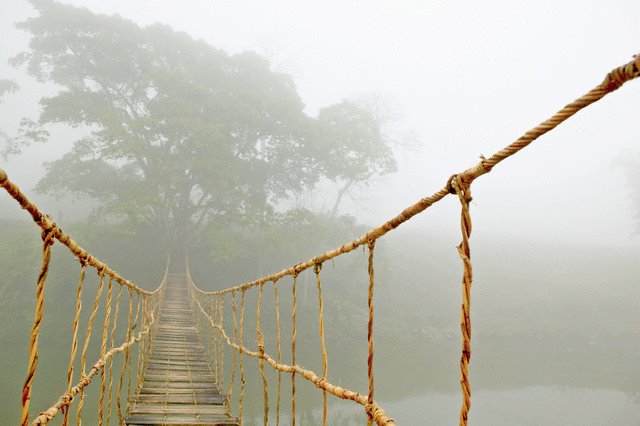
[182, 134]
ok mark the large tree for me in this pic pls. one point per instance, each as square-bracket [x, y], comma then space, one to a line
[180, 134]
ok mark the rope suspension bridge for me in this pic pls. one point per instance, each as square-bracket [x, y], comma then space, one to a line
[178, 330]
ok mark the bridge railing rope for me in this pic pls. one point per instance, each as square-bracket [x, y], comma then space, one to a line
[147, 304]
[458, 184]
[209, 306]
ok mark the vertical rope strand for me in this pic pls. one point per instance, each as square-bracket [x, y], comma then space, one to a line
[74, 338]
[47, 242]
[220, 342]
[316, 270]
[277, 308]
[103, 349]
[464, 194]
[125, 361]
[242, 378]
[265, 393]
[371, 245]
[293, 349]
[87, 338]
[111, 346]
[235, 338]
[214, 340]
[133, 327]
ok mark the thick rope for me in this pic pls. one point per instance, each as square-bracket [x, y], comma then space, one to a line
[87, 338]
[47, 242]
[214, 341]
[111, 346]
[125, 361]
[277, 308]
[265, 392]
[316, 270]
[293, 349]
[371, 246]
[612, 82]
[235, 337]
[378, 414]
[242, 378]
[130, 368]
[47, 224]
[103, 349]
[74, 338]
[458, 184]
[220, 343]
[67, 397]
[464, 195]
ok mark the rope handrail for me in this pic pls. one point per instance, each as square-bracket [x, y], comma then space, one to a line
[51, 232]
[371, 407]
[459, 184]
[65, 399]
[613, 81]
[63, 403]
[48, 226]
[149, 301]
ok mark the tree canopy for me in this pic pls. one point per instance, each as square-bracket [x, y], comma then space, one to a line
[181, 134]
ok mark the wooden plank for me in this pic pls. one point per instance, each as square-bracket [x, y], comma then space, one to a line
[150, 419]
[180, 399]
[212, 410]
[178, 385]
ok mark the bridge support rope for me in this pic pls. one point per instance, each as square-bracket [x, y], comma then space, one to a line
[148, 302]
[459, 184]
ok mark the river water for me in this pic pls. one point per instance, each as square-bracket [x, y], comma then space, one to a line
[529, 406]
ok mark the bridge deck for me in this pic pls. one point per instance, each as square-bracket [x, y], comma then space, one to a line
[178, 386]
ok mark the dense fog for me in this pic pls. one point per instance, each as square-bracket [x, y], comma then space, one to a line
[256, 135]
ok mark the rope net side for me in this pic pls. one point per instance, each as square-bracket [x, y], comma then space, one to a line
[148, 304]
[458, 184]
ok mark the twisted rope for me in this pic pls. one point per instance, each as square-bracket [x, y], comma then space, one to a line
[458, 184]
[464, 195]
[293, 349]
[47, 242]
[103, 349]
[125, 361]
[111, 345]
[242, 378]
[83, 358]
[277, 308]
[371, 246]
[47, 224]
[377, 413]
[235, 337]
[47, 415]
[265, 393]
[74, 339]
[316, 270]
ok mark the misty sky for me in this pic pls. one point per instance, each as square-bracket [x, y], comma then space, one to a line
[463, 78]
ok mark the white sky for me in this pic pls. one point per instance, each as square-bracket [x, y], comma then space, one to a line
[466, 78]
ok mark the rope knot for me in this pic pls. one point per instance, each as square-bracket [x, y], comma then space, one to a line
[48, 231]
[461, 187]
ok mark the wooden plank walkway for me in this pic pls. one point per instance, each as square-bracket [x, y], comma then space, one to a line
[178, 386]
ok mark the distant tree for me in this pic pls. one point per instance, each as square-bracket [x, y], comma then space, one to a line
[181, 134]
[353, 147]
[6, 87]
